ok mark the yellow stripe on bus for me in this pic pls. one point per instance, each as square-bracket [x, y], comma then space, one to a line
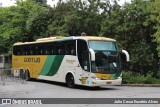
[103, 76]
[33, 63]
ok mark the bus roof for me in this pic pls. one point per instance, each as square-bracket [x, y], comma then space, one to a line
[61, 38]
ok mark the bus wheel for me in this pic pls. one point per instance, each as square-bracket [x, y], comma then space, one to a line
[70, 81]
[27, 75]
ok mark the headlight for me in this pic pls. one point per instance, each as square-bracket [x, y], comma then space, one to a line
[119, 77]
[94, 77]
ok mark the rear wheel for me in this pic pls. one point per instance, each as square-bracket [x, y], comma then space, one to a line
[26, 75]
[70, 81]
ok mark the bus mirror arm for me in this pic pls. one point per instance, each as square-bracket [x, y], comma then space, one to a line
[127, 55]
[92, 54]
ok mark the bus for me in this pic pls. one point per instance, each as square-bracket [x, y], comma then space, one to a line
[76, 60]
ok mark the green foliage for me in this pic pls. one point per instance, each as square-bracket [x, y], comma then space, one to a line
[135, 26]
[25, 22]
[132, 27]
[72, 18]
[156, 18]
[11, 22]
[37, 21]
[131, 78]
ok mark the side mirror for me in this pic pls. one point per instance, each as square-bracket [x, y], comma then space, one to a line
[92, 54]
[127, 55]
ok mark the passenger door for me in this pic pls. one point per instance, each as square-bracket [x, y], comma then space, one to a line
[83, 58]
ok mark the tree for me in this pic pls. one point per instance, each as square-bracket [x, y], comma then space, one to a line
[135, 26]
[37, 20]
[24, 22]
[73, 18]
[130, 26]
[156, 18]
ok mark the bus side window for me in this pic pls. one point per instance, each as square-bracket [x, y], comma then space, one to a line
[60, 48]
[49, 48]
[70, 48]
[27, 50]
[32, 49]
[15, 50]
[73, 51]
[20, 50]
[39, 49]
[23, 49]
[60, 51]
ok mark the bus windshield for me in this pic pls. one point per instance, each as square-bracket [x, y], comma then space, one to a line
[102, 45]
[107, 57]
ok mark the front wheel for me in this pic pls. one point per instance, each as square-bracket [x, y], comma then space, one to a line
[70, 81]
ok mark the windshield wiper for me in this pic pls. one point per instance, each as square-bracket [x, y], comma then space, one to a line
[114, 67]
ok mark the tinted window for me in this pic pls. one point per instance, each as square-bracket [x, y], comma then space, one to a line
[15, 52]
[70, 47]
[60, 48]
[32, 49]
[49, 48]
[38, 49]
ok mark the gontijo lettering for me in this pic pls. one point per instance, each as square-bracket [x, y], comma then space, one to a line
[30, 59]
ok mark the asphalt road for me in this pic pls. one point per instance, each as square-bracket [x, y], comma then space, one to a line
[45, 89]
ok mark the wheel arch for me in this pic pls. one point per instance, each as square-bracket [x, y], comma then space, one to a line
[28, 73]
[70, 73]
[70, 80]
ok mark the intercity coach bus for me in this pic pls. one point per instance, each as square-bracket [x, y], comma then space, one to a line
[82, 60]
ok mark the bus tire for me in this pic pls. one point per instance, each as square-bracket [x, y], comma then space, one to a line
[21, 74]
[70, 80]
[27, 75]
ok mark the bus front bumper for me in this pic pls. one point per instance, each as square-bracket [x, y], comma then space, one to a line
[95, 82]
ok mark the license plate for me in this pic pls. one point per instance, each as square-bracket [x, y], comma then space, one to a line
[108, 82]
